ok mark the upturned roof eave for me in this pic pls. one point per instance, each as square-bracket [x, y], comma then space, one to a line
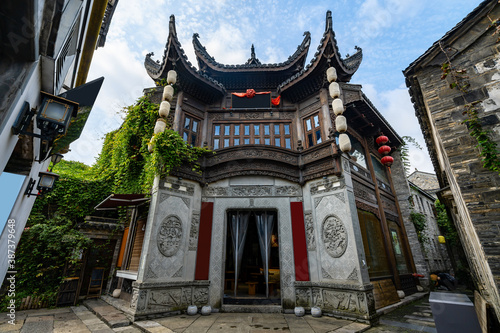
[327, 52]
[174, 57]
[295, 62]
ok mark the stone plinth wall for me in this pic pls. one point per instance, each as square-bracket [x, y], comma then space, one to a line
[157, 299]
[339, 299]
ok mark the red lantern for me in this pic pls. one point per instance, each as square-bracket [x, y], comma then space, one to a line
[384, 150]
[387, 160]
[382, 140]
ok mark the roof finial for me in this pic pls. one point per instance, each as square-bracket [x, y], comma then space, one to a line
[253, 59]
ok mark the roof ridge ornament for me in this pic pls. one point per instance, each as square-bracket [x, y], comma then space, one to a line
[329, 21]
[253, 60]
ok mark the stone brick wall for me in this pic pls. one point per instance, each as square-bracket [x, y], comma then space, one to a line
[470, 191]
[436, 255]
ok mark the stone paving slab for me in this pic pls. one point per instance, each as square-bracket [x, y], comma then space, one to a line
[70, 326]
[39, 324]
[107, 313]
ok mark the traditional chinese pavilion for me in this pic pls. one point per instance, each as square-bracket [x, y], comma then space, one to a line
[293, 209]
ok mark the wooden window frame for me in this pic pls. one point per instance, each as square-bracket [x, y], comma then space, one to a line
[189, 131]
[313, 130]
[256, 134]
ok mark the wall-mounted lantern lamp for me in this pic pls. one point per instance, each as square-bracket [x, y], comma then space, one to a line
[55, 158]
[45, 184]
[52, 119]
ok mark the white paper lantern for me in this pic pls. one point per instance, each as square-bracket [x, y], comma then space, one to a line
[341, 123]
[337, 106]
[344, 143]
[164, 109]
[171, 77]
[168, 93]
[160, 126]
[334, 90]
[331, 74]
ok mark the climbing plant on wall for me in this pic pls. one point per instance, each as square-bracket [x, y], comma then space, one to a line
[125, 160]
[50, 239]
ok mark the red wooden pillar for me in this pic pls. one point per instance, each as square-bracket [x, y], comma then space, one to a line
[204, 241]
[299, 242]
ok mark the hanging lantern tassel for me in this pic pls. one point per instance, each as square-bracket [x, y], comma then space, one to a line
[384, 150]
[387, 161]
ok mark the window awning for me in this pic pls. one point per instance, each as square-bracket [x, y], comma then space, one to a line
[121, 200]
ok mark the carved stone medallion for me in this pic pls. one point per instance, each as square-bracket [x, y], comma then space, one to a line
[334, 236]
[170, 235]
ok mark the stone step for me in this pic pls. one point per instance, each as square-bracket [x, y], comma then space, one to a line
[421, 322]
[427, 319]
[110, 315]
[422, 314]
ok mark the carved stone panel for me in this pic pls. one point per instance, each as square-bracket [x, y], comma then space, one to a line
[254, 191]
[303, 297]
[167, 298]
[169, 236]
[342, 301]
[334, 236]
[200, 296]
[193, 232]
[311, 240]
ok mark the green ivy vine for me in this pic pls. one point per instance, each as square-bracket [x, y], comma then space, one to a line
[125, 159]
[445, 224]
[420, 223]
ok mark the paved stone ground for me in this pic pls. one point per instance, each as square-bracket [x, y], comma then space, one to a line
[99, 317]
[250, 322]
[75, 319]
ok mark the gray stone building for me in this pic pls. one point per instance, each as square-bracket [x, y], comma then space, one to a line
[289, 211]
[422, 202]
[465, 88]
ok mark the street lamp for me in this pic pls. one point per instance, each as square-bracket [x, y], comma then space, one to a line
[55, 158]
[52, 119]
[45, 183]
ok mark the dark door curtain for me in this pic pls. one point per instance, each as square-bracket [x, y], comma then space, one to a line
[265, 224]
[239, 227]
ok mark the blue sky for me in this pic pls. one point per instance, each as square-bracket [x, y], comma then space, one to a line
[392, 34]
